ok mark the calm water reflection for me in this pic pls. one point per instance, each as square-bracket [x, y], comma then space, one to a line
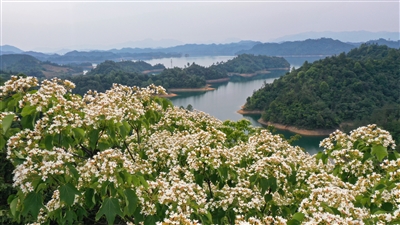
[227, 98]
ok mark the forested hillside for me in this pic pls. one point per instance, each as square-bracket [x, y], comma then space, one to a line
[22, 64]
[247, 63]
[124, 66]
[31, 66]
[362, 86]
[193, 76]
[169, 78]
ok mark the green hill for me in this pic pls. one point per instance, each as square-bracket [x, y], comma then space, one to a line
[248, 63]
[193, 76]
[322, 46]
[362, 86]
[31, 66]
[124, 66]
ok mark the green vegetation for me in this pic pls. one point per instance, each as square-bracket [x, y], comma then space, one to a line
[31, 66]
[246, 63]
[192, 76]
[127, 156]
[210, 73]
[322, 46]
[169, 78]
[358, 88]
[108, 67]
[20, 63]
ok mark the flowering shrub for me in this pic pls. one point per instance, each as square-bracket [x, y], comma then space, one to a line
[127, 156]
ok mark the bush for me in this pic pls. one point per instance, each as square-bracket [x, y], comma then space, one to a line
[127, 156]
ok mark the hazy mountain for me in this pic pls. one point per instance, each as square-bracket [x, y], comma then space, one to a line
[197, 49]
[346, 36]
[309, 47]
[381, 41]
[147, 43]
[8, 49]
[31, 66]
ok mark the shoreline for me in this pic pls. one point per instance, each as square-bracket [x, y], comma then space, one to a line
[293, 129]
[248, 75]
[249, 112]
[191, 89]
[297, 130]
[172, 90]
[168, 95]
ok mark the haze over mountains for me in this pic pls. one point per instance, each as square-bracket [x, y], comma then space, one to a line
[345, 36]
[13, 58]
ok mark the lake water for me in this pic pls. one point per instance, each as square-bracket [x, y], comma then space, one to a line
[183, 61]
[227, 98]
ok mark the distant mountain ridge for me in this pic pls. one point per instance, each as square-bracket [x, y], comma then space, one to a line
[317, 47]
[8, 49]
[344, 36]
[309, 47]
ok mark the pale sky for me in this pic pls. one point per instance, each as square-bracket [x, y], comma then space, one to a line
[30, 25]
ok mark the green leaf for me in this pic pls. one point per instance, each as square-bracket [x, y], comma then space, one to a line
[2, 141]
[28, 110]
[293, 222]
[70, 216]
[132, 201]
[103, 145]
[7, 121]
[264, 184]
[67, 193]
[199, 179]
[79, 133]
[123, 131]
[298, 216]
[48, 142]
[150, 220]
[32, 203]
[93, 137]
[273, 183]
[110, 208]
[267, 198]
[135, 180]
[11, 104]
[379, 151]
[223, 172]
[13, 206]
[143, 181]
[28, 122]
[73, 170]
[387, 206]
[89, 198]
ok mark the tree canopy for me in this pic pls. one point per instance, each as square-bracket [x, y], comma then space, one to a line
[247, 63]
[127, 156]
[192, 76]
[340, 89]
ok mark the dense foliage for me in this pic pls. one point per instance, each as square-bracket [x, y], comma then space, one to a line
[359, 86]
[169, 78]
[246, 63]
[192, 76]
[124, 66]
[31, 66]
[127, 156]
[22, 64]
[209, 73]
